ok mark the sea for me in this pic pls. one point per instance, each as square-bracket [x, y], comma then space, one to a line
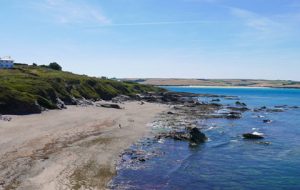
[226, 160]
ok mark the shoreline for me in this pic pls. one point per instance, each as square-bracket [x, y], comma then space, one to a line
[71, 148]
[237, 87]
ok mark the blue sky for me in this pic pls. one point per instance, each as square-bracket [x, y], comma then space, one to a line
[156, 38]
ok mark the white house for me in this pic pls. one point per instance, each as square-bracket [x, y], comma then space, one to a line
[6, 63]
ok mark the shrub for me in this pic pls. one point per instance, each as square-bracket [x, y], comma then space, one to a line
[55, 66]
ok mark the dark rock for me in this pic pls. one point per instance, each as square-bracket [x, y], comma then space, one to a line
[196, 136]
[215, 105]
[234, 115]
[242, 109]
[253, 136]
[171, 113]
[295, 107]
[115, 106]
[193, 135]
[264, 108]
[267, 121]
[238, 103]
[17, 107]
[142, 159]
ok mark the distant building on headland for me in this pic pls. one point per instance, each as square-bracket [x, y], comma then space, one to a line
[6, 63]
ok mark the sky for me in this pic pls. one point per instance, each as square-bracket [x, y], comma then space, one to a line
[249, 39]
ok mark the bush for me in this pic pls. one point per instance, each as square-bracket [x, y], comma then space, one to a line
[55, 66]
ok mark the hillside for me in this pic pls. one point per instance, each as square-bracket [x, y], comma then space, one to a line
[217, 82]
[31, 89]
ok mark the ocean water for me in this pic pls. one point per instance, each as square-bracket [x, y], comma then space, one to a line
[227, 161]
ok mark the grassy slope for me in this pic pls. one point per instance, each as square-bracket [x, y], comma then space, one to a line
[25, 87]
[220, 82]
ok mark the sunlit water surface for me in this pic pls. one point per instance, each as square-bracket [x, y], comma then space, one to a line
[227, 161]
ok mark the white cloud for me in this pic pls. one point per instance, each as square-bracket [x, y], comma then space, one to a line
[254, 20]
[72, 11]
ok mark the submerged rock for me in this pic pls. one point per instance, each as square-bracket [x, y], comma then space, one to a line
[254, 135]
[275, 110]
[267, 121]
[234, 115]
[263, 143]
[295, 107]
[238, 103]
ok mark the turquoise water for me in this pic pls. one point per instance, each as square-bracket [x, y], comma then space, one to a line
[228, 161]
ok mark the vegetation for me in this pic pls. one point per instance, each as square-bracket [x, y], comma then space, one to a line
[29, 89]
[55, 66]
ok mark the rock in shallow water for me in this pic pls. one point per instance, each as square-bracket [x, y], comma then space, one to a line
[267, 121]
[234, 115]
[253, 135]
[196, 136]
[193, 135]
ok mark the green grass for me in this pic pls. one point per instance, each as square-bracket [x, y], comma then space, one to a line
[28, 86]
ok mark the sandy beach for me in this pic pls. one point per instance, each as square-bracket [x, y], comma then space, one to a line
[74, 148]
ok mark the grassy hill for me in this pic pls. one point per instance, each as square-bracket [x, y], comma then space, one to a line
[29, 89]
[218, 82]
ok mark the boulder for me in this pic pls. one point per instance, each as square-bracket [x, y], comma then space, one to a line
[192, 135]
[253, 135]
[115, 106]
[196, 136]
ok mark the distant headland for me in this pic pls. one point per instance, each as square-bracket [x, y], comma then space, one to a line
[216, 82]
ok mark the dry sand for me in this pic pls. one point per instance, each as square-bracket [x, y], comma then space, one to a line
[75, 148]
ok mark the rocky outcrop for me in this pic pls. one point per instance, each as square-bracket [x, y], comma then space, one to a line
[60, 104]
[193, 135]
[253, 135]
[15, 107]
